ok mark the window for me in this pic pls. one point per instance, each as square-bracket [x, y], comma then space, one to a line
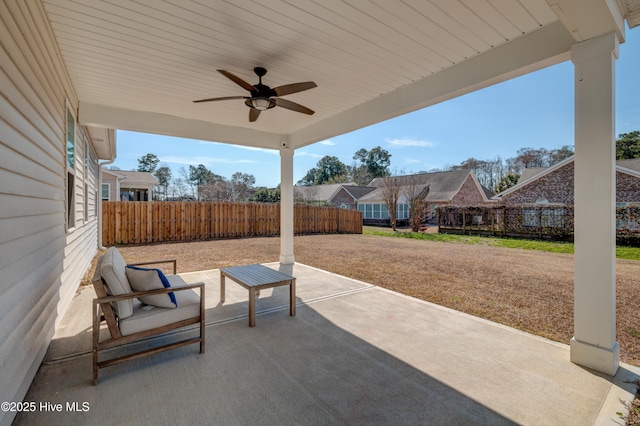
[530, 217]
[384, 211]
[548, 218]
[71, 163]
[376, 211]
[402, 211]
[552, 218]
[71, 140]
[106, 188]
[381, 211]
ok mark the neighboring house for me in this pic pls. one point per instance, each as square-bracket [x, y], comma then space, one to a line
[455, 187]
[342, 195]
[347, 196]
[554, 185]
[121, 185]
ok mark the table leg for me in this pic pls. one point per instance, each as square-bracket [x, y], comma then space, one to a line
[222, 287]
[252, 307]
[292, 298]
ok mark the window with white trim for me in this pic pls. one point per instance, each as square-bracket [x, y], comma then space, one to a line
[106, 189]
[381, 211]
[402, 211]
[71, 167]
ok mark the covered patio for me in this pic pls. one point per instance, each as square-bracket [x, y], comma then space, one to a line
[74, 72]
[353, 354]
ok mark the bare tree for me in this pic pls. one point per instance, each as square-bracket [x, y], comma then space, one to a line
[416, 194]
[220, 190]
[390, 187]
[178, 188]
[305, 194]
[186, 181]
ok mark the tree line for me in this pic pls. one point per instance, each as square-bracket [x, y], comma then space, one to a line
[201, 184]
[196, 183]
[376, 163]
[367, 166]
[497, 174]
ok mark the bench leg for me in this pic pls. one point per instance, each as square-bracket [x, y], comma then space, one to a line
[95, 337]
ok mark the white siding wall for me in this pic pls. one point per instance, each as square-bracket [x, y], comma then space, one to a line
[114, 192]
[41, 261]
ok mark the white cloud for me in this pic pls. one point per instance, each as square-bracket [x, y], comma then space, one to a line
[328, 142]
[412, 160]
[307, 154]
[205, 160]
[253, 148]
[410, 142]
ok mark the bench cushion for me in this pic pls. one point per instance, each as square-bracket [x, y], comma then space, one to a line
[146, 317]
[145, 279]
[113, 273]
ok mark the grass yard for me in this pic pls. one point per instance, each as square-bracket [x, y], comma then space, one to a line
[632, 253]
[529, 287]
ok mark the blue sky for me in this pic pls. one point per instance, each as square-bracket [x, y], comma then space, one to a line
[535, 110]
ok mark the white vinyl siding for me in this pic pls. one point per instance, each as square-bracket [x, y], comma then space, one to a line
[40, 263]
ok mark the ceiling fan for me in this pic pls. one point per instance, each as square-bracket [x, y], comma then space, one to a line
[264, 97]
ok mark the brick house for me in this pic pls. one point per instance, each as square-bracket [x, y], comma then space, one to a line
[455, 187]
[554, 185]
[342, 195]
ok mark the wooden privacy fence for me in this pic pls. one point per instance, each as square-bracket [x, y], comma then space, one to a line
[138, 222]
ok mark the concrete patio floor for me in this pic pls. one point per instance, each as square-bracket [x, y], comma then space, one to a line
[353, 354]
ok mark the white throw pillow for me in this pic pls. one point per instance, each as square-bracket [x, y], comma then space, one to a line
[113, 273]
[144, 279]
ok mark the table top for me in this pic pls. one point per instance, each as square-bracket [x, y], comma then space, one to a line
[254, 275]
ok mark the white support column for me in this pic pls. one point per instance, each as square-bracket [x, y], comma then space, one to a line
[286, 205]
[594, 343]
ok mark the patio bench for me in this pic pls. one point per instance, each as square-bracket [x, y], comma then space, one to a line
[139, 303]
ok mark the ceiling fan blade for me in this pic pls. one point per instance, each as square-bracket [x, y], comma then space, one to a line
[253, 114]
[292, 106]
[237, 80]
[287, 89]
[226, 98]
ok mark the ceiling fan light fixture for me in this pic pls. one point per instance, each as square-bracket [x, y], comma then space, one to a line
[263, 97]
[262, 104]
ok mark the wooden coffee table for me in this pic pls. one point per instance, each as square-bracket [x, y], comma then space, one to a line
[254, 278]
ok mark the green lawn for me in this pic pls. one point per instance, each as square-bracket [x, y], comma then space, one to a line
[632, 253]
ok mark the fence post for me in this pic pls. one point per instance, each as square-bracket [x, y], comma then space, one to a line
[493, 221]
[540, 222]
[464, 222]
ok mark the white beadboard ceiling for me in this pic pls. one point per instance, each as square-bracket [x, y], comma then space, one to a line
[138, 65]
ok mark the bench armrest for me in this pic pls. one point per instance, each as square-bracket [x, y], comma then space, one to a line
[156, 262]
[137, 294]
